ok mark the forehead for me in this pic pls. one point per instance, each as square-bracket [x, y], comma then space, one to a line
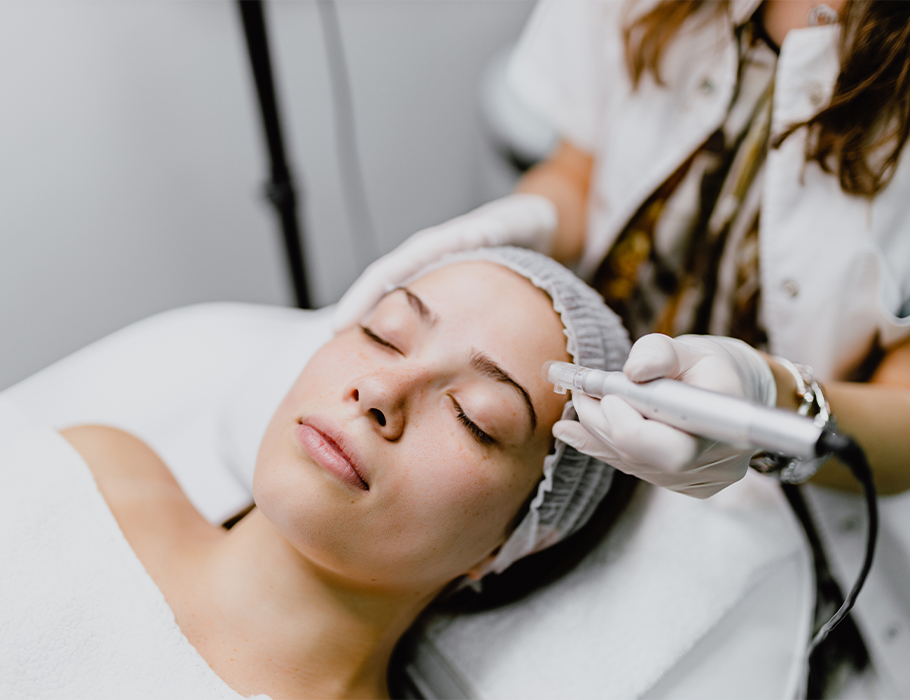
[496, 302]
[483, 280]
[497, 311]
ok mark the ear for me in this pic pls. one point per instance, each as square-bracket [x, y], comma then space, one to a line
[477, 572]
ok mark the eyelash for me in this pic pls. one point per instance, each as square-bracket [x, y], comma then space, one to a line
[481, 436]
[372, 336]
[475, 429]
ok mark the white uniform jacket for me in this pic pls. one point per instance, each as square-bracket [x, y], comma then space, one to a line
[835, 269]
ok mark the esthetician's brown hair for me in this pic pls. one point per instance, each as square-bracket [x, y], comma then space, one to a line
[861, 133]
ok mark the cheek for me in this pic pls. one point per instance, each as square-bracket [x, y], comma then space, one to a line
[459, 499]
[318, 516]
[330, 369]
[324, 377]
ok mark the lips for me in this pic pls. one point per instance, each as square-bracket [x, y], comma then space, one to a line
[332, 450]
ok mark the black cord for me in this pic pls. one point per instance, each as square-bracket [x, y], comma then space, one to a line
[850, 453]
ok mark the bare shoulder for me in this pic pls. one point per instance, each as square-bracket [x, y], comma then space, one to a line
[112, 453]
[140, 490]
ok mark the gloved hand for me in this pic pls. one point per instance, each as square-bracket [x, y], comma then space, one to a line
[611, 430]
[526, 220]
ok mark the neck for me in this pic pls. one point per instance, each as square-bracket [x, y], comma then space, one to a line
[780, 16]
[273, 622]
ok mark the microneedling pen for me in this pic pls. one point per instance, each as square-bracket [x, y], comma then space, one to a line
[697, 411]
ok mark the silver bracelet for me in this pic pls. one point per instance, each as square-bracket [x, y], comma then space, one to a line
[813, 404]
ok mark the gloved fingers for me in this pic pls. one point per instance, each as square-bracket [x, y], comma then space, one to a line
[713, 451]
[751, 368]
[528, 220]
[668, 466]
[701, 490]
[395, 267]
[644, 446]
[574, 434]
[730, 467]
[709, 364]
[696, 360]
[704, 480]
[655, 446]
[518, 219]
[657, 356]
[652, 356]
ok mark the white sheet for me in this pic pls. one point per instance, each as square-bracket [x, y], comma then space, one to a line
[80, 616]
[171, 378]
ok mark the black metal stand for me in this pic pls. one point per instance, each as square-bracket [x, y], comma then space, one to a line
[280, 188]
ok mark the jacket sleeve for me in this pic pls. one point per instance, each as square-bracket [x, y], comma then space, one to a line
[565, 62]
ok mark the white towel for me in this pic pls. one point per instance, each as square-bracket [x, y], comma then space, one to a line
[672, 570]
[80, 617]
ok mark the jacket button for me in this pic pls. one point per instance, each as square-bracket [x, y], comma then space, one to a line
[790, 288]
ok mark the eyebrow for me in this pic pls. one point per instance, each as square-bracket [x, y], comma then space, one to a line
[426, 316]
[486, 366]
[481, 362]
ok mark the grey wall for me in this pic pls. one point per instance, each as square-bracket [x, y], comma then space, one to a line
[131, 156]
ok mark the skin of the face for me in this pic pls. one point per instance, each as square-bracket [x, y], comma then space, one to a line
[435, 500]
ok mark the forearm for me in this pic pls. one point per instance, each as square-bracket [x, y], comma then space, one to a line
[564, 178]
[876, 414]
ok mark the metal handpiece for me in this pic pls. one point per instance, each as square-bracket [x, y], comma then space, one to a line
[696, 411]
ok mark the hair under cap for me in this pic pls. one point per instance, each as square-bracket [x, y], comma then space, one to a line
[573, 483]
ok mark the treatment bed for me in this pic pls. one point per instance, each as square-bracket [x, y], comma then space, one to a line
[684, 598]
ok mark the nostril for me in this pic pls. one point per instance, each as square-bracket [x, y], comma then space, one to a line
[356, 395]
[378, 415]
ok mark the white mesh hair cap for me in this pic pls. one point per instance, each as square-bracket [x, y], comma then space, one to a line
[573, 484]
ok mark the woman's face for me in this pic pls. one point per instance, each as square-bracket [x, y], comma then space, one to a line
[405, 448]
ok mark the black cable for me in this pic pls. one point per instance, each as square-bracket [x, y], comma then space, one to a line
[280, 188]
[851, 454]
[366, 247]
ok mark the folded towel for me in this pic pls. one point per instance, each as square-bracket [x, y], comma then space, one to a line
[635, 618]
[80, 617]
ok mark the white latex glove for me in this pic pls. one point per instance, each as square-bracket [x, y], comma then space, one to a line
[611, 430]
[526, 220]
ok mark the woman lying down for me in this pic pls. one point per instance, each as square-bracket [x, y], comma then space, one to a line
[410, 457]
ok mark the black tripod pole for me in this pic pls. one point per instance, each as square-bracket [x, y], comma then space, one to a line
[280, 188]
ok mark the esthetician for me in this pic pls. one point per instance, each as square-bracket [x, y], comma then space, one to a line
[731, 176]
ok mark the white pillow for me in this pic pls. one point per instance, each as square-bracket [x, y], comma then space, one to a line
[286, 346]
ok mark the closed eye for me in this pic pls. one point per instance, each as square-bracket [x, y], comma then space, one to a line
[382, 341]
[475, 429]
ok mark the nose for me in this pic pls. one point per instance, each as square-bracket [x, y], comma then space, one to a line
[385, 398]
